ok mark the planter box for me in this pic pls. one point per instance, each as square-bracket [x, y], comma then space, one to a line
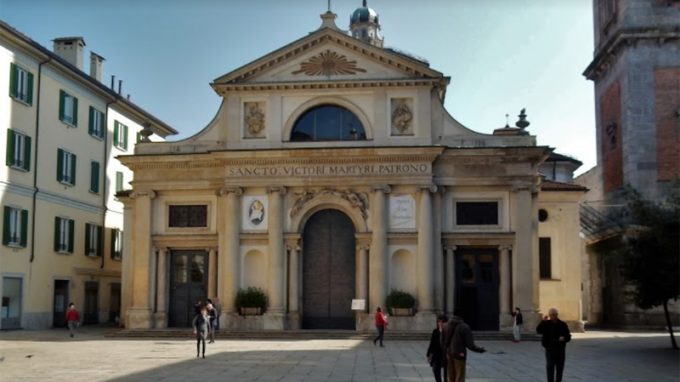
[245, 311]
[402, 311]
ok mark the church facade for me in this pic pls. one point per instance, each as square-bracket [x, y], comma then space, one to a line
[332, 173]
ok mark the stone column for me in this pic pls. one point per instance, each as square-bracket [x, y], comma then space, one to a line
[361, 264]
[212, 273]
[424, 260]
[504, 290]
[228, 272]
[440, 272]
[525, 257]
[293, 276]
[160, 317]
[277, 260]
[378, 255]
[450, 279]
[139, 315]
[126, 266]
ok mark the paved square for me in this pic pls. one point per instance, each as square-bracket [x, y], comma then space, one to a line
[51, 356]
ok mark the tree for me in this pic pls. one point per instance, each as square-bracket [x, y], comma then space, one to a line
[650, 252]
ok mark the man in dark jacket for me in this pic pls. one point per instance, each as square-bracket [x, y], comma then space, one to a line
[435, 353]
[555, 337]
[457, 339]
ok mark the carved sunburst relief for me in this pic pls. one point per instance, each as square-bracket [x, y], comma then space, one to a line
[328, 63]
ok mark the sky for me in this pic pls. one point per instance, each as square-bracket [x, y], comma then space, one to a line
[501, 55]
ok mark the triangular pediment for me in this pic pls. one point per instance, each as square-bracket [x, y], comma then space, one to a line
[329, 55]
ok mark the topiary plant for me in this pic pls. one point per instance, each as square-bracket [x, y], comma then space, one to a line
[400, 300]
[252, 297]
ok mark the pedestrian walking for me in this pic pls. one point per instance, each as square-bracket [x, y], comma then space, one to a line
[212, 313]
[380, 325]
[435, 353]
[218, 310]
[517, 322]
[201, 325]
[555, 337]
[457, 339]
[72, 319]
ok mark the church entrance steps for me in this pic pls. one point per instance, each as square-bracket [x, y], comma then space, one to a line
[308, 335]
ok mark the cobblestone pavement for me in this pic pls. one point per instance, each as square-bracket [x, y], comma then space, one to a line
[51, 355]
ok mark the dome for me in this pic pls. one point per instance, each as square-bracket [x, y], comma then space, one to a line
[364, 14]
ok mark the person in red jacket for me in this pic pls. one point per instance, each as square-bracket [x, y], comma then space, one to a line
[380, 324]
[72, 319]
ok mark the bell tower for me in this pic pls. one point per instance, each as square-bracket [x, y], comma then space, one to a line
[365, 26]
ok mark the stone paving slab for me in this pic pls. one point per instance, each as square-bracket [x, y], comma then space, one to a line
[51, 355]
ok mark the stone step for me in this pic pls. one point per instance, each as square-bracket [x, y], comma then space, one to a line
[308, 334]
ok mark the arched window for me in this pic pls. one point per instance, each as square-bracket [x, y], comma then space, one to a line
[328, 123]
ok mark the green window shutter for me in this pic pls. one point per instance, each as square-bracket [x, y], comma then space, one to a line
[57, 232]
[29, 96]
[13, 80]
[24, 227]
[90, 124]
[75, 111]
[94, 177]
[116, 128]
[62, 104]
[125, 136]
[87, 238]
[60, 165]
[73, 169]
[5, 226]
[71, 233]
[100, 240]
[119, 181]
[10, 148]
[27, 153]
[112, 246]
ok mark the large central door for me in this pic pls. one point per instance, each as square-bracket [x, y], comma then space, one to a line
[477, 284]
[328, 271]
[188, 284]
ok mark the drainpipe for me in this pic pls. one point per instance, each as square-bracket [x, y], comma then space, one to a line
[35, 172]
[104, 186]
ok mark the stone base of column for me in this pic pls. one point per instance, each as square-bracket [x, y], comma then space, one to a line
[230, 321]
[425, 320]
[531, 320]
[293, 321]
[274, 321]
[505, 321]
[160, 320]
[138, 318]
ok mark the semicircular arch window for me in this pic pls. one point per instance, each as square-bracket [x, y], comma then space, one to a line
[328, 123]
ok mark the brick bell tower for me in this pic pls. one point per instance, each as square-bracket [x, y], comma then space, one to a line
[636, 71]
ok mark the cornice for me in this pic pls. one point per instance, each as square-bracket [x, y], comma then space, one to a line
[223, 89]
[625, 37]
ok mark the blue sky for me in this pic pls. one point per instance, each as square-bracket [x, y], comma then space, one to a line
[501, 55]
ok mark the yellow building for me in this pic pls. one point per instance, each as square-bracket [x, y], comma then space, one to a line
[62, 226]
[332, 173]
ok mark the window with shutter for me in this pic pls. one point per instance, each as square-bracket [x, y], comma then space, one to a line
[18, 151]
[120, 135]
[15, 229]
[94, 177]
[119, 181]
[544, 258]
[63, 235]
[116, 244]
[21, 84]
[68, 108]
[66, 167]
[96, 123]
[93, 239]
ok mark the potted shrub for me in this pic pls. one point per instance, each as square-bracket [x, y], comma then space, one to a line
[251, 301]
[400, 303]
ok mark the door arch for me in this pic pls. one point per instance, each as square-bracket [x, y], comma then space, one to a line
[328, 271]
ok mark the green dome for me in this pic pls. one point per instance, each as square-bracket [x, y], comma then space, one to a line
[364, 14]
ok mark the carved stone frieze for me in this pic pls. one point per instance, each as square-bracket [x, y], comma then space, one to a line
[402, 116]
[357, 200]
[328, 63]
[254, 119]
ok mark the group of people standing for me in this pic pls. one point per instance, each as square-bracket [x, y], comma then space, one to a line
[451, 338]
[205, 322]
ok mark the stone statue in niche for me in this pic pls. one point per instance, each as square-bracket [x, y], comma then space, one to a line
[253, 118]
[402, 116]
[256, 212]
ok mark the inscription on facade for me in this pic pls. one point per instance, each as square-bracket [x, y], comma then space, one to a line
[331, 170]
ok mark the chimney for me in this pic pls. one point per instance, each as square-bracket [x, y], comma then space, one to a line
[96, 66]
[70, 49]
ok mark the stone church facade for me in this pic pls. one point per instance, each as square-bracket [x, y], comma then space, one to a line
[332, 173]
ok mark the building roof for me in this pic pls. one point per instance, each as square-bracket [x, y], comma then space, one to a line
[555, 157]
[551, 185]
[159, 127]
